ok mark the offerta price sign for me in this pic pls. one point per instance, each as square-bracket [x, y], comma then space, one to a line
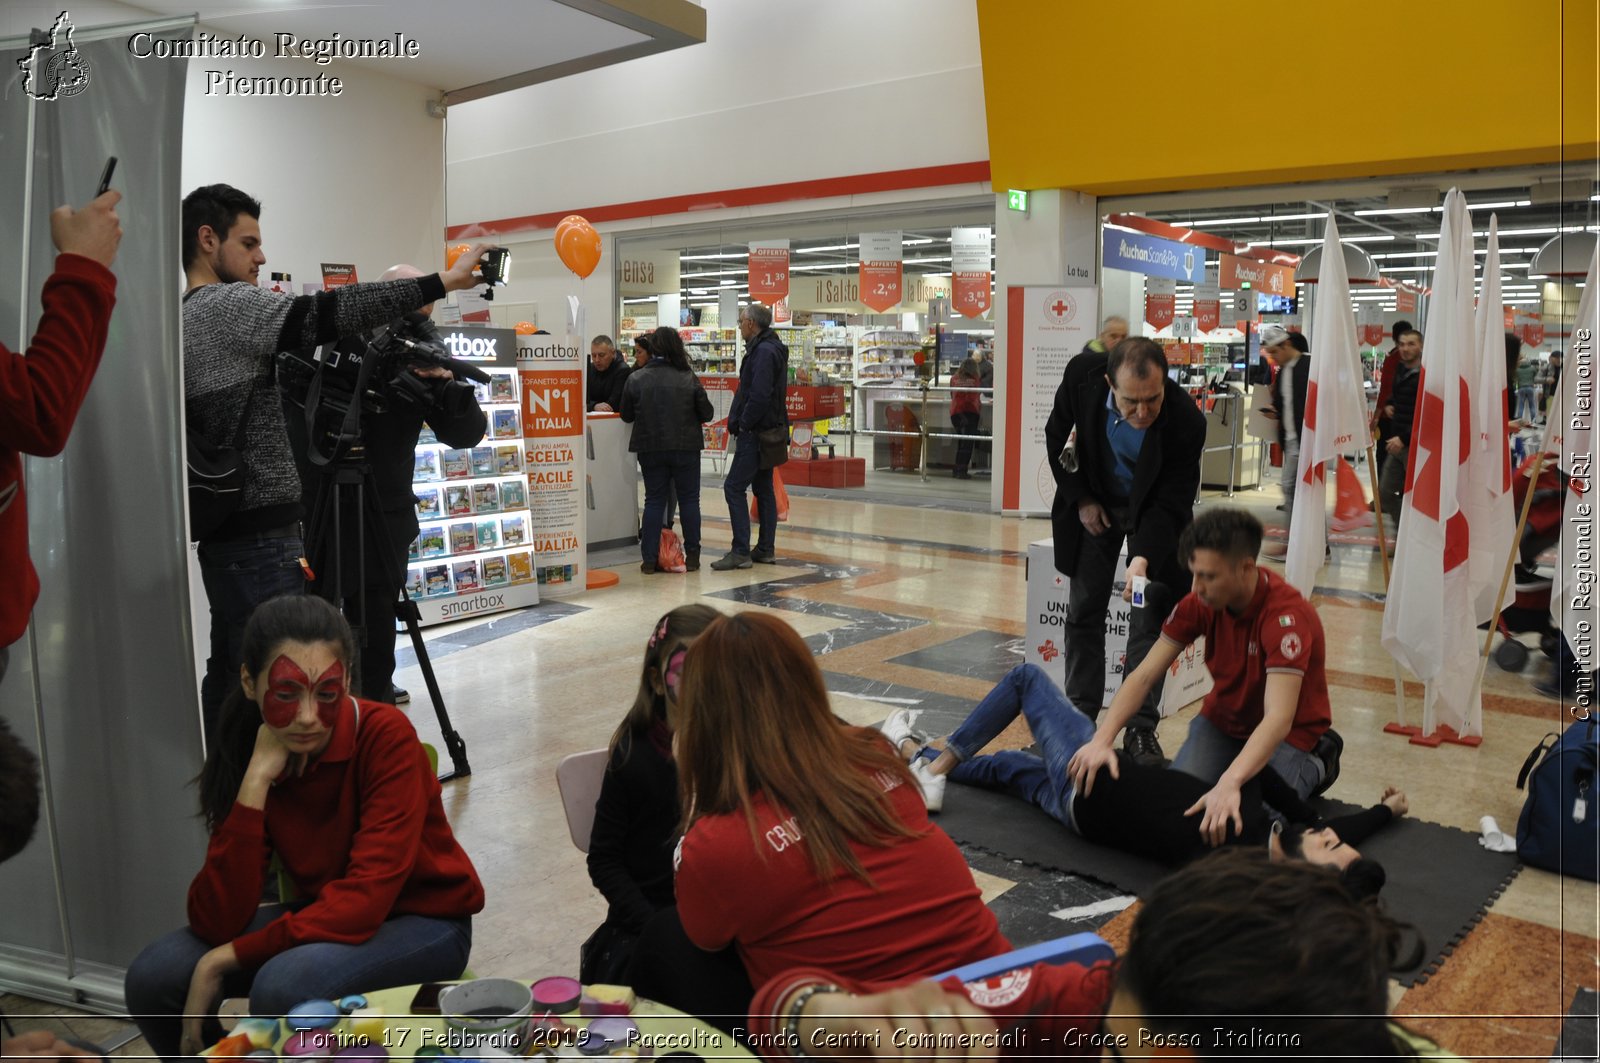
[552, 373]
[769, 271]
[970, 258]
[881, 258]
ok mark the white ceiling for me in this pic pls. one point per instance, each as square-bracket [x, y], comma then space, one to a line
[468, 49]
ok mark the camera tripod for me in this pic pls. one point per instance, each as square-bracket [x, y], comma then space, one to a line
[347, 491]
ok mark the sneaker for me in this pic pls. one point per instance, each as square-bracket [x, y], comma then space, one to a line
[764, 557]
[1141, 744]
[647, 567]
[1327, 750]
[900, 728]
[731, 560]
[402, 696]
[691, 561]
[931, 785]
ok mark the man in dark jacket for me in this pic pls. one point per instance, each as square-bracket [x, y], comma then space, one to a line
[1290, 352]
[1386, 375]
[1130, 474]
[1113, 330]
[608, 372]
[1397, 444]
[758, 404]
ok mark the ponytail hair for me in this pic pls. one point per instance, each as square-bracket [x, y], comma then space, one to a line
[286, 618]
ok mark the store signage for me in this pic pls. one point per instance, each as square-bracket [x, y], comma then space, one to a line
[769, 271]
[1267, 277]
[1016, 199]
[1151, 255]
[338, 274]
[1160, 295]
[1045, 328]
[843, 293]
[552, 372]
[1511, 317]
[1405, 301]
[881, 255]
[647, 273]
[1531, 328]
[473, 306]
[1208, 303]
[485, 346]
[1184, 327]
[971, 280]
[1239, 306]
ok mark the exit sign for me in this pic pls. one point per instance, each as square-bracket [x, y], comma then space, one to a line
[1017, 200]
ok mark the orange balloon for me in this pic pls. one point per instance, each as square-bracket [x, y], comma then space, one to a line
[526, 328]
[453, 253]
[578, 245]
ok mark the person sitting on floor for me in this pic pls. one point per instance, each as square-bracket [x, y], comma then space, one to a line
[1143, 809]
[344, 793]
[805, 839]
[1233, 956]
[636, 816]
[1269, 697]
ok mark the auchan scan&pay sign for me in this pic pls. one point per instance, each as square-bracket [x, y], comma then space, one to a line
[1187, 679]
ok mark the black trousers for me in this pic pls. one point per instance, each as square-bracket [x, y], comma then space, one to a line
[1088, 601]
[669, 968]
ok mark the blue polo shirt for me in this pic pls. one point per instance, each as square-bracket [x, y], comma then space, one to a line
[1124, 441]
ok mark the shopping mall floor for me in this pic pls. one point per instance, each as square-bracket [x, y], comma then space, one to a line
[870, 583]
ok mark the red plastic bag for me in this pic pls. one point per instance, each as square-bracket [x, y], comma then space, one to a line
[1352, 509]
[670, 557]
[778, 493]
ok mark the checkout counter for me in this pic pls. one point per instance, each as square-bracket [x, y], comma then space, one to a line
[898, 408]
[613, 488]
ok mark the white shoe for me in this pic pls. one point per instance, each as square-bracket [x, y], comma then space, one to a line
[898, 728]
[931, 785]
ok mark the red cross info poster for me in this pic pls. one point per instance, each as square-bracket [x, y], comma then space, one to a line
[1045, 327]
[551, 369]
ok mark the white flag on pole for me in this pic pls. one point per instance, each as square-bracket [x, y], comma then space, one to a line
[1487, 497]
[1336, 414]
[1427, 619]
[1569, 433]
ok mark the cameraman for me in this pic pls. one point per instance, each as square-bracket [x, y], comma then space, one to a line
[418, 393]
[231, 332]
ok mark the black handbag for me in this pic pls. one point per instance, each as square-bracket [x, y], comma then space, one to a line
[774, 446]
[216, 479]
[605, 957]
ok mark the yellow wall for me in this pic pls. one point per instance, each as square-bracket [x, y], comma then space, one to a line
[1123, 96]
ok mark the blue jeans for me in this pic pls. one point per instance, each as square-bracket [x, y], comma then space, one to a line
[239, 575]
[664, 470]
[1207, 752]
[743, 472]
[1059, 728]
[1526, 407]
[406, 949]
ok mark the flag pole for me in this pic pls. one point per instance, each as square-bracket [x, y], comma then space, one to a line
[1516, 540]
[1377, 511]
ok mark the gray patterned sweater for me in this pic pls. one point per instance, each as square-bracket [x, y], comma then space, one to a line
[231, 333]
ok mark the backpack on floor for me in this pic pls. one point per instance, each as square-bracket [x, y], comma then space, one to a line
[1559, 828]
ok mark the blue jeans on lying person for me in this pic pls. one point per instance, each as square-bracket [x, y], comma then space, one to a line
[406, 949]
[1058, 727]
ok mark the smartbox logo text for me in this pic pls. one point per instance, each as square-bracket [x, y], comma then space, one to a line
[54, 69]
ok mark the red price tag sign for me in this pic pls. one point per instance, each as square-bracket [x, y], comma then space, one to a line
[769, 274]
[880, 284]
[970, 293]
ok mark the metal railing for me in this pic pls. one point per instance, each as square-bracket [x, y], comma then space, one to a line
[922, 433]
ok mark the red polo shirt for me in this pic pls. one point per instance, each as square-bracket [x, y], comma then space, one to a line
[1277, 632]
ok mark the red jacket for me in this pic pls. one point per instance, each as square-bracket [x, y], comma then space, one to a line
[363, 833]
[40, 394]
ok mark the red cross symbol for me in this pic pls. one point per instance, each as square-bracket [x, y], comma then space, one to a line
[1423, 473]
[1059, 307]
[1048, 651]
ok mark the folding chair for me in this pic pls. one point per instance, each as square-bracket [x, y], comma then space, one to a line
[578, 778]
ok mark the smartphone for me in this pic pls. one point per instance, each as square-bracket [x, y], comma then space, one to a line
[105, 176]
[426, 1002]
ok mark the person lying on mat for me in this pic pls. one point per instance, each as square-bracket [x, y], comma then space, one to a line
[805, 839]
[1234, 956]
[1269, 697]
[1142, 809]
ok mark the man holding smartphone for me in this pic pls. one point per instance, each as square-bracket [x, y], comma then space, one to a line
[42, 391]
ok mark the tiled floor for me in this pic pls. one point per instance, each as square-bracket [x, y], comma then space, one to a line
[916, 597]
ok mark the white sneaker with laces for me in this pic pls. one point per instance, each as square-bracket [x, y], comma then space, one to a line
[931, 785]
[899, 727]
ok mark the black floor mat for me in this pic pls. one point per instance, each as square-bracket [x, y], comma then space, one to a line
[1440, 880]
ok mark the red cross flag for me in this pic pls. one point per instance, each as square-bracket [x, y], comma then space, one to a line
[1486, 498]
[1427, 619]
[1569, 433]
[1336, 414]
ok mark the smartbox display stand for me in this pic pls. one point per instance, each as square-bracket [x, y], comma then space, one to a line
[474, 554]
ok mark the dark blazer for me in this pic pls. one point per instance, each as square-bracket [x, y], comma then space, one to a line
[1165, 479]
[1300, 377]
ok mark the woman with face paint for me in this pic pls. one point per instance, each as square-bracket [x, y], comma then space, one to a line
[636, 816]
[341, 791]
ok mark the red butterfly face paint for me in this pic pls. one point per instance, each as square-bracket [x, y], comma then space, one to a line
[288, 685]
[674, 673]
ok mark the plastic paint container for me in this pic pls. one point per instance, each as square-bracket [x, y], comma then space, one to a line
[487, 1013]
[605, 1034]
[356, 1053]
[308, 1046]
[314, 1015]
[560, 995]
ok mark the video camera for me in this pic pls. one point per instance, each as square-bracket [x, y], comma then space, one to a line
[323, 380]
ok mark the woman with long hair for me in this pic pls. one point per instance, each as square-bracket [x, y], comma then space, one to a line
[805, 839]
[343, 793]
[636, 816]
[666, 404]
